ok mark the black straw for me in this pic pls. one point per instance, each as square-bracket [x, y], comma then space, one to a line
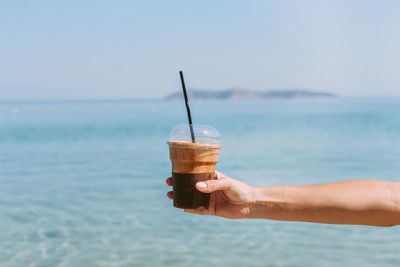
[187, 107]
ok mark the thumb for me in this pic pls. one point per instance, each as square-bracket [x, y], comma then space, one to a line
[213, 185]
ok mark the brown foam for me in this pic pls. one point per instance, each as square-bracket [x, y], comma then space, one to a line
[187, 157]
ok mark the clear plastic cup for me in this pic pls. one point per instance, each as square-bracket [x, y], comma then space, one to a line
[192, 163]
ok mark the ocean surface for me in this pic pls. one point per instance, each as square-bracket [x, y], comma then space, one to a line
[82, 184]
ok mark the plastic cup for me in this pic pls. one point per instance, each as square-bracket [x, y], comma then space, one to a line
[192, 163]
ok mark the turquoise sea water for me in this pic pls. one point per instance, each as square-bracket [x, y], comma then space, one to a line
[82, 184]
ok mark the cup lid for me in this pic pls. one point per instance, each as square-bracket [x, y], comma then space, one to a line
[203, 134]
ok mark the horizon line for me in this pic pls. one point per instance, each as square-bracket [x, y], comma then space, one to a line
[139, 99]
[73, 100]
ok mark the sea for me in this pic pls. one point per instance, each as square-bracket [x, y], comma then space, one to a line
[82, 182]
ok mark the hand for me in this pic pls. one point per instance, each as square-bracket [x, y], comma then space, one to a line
[229, 198]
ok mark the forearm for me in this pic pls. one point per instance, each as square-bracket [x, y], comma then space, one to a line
[354, 202]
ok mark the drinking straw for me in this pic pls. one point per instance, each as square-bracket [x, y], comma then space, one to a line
[187, 107]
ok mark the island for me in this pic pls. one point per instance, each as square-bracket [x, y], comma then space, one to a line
[239, 94]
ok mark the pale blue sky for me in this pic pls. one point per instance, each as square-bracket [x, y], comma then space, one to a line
[117, 49]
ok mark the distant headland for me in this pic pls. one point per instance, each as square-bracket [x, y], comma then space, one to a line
[244, 94]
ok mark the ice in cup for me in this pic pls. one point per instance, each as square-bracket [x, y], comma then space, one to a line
[192, 163]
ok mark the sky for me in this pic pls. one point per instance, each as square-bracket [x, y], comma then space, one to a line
[135, 49]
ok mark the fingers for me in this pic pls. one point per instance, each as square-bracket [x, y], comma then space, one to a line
[213, 185]
[170, 195]
[168, 181]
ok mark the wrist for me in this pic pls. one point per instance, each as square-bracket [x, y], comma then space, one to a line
[257, 197]
[265, 202]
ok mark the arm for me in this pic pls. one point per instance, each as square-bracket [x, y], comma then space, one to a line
[354, 202]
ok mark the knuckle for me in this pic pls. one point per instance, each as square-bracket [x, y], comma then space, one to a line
[212, 185]
[219, 175]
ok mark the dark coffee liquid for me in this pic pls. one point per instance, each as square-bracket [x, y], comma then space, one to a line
[186, 195]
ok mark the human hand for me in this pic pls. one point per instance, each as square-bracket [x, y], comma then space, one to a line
[229, 198]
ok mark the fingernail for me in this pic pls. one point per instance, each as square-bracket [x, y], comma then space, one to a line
[202, 185]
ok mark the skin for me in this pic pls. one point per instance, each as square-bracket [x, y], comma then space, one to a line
[363, 202]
